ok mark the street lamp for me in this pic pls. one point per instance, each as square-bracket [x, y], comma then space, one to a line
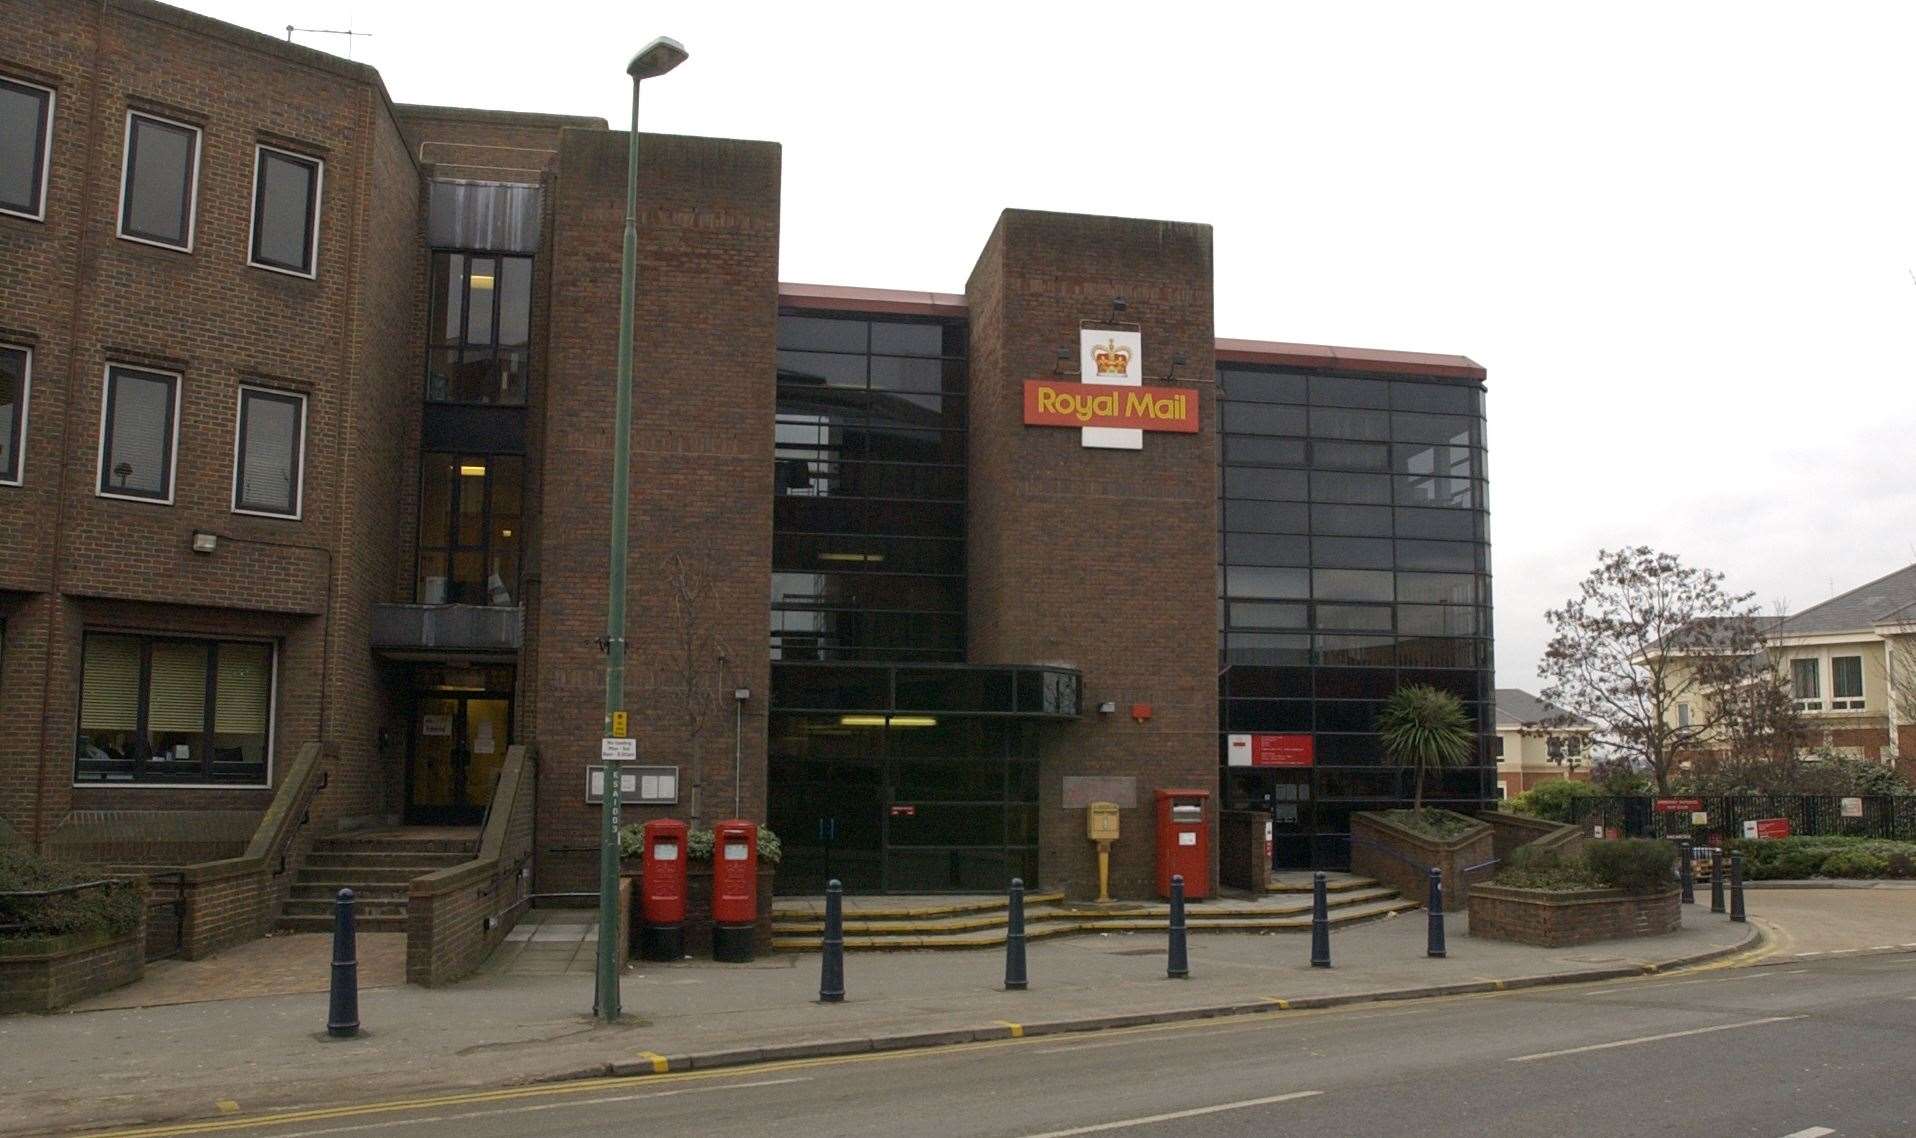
[658, 57]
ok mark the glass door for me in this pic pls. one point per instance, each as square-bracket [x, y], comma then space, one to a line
[1292, 823]
[458, 745]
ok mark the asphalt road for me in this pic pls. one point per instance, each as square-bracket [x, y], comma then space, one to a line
[1796, 1050]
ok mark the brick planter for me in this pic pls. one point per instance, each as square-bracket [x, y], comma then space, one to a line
[698, 908]
[1402, 858]
[1552, 919]
[48, 973]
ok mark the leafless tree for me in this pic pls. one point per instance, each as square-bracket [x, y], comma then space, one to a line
[1644, 650]
[691, 674]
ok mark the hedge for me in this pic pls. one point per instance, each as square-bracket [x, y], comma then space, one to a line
[113, 910]
[1827, 856]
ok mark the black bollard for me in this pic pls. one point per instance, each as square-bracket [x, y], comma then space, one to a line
[1685, 874]
[1178, 967]
[342, 1013]
[831, 981]
[1436, 907]
[1716, 880]
[1320, 924]
[1736, 888]
[1015, 979]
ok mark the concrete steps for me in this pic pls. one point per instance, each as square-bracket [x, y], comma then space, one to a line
[800, 927]
[377, 867]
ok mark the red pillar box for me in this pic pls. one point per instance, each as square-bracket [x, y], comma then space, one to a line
[662, 890]
[734, 890]
[1184, 842]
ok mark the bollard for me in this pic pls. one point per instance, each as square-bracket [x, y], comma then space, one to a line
[1736, 888]
[1015, 979]
[1178, 967]
[1685, 874]
[831, 981]
[1320, 924]
[1436, 907]
[342, 1013]
[1716, 880]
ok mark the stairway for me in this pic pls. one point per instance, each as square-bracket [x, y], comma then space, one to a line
[798, 923]
[377, 865]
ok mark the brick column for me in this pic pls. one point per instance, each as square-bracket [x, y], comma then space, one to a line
[1104, 560]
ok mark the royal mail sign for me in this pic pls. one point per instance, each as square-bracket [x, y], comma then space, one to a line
[1055, 403]
[1270, 750]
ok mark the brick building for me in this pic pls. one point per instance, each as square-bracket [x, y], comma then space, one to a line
[307, 408]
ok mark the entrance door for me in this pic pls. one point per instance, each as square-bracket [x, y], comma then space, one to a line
[1292, 823]
[458, 745]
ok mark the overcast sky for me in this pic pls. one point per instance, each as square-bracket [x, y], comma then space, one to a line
[1679, 236]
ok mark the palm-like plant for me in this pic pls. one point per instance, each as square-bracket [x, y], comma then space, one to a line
[1424, 728]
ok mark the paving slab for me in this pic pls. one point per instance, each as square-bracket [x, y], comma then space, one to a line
[531, 1021]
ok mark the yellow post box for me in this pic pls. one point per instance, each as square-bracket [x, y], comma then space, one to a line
[1101, 826]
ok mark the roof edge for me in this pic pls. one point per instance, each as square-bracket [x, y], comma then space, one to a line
[1334, 358]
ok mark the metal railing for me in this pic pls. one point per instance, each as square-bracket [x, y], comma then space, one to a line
[1813, 815]
[20, 907]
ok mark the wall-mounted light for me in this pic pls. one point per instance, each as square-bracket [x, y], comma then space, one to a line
[1065, 355]
[205, 542]
[1177, 361]
[1108, 707]
[741, 694]
[1117, 305]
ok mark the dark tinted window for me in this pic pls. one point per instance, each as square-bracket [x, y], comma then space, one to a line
[479, 333]
[16, 366]
[136, 453]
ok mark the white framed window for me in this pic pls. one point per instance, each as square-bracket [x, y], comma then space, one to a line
[16, 386]
[139, 434]
[1846, 683]
[1683, 715]
[286, 195]
[178, 710]
[26, 147]
[159, 181]
[269, 452]
[1806, 686]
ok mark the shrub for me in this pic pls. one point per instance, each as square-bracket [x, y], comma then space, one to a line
[1825, 856]
[1854, 863]
[1635, 865]
[1559, 800]
[698, 845]
[113, 910]
[1530, 868]
[1442, 825]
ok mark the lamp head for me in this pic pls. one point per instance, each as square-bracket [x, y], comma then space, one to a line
[657, 58]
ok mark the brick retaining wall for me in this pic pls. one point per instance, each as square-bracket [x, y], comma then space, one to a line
[1556, 920]
[1402, 859]
[448, 931]
[45, 975]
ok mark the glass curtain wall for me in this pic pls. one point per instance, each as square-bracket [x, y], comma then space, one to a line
[1355, 559]
[868, 555]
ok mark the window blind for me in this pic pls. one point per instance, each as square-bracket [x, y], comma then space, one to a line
[110, 684]
[142, 433]
[177, 692]
[245, 689]
[269, 466]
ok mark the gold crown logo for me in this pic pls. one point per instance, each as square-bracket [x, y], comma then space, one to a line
[1110, 359]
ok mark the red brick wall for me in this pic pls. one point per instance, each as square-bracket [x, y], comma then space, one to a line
[1557, 920]
[82, 297]
[48, 982]
[701, 472]
[1103, 560]
[446, 934]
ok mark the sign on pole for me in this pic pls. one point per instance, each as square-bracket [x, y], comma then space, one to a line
[619, 750]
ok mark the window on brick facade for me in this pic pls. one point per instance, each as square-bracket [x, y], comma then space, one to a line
[139, 433]
[470, 528]
[269, 452]
[26, 134]
[16, 377]
[286, 190]
[168, 709]
[479, 336]
[160, 181]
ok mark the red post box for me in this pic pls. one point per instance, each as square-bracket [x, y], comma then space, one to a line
[662, 890]
[734, 890]
[1184, 842]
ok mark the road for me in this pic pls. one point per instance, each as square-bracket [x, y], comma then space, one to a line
[1803, 1049]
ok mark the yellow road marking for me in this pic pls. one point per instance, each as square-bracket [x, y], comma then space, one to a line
[1017, 1029]
[227, 1106]
[1282, 1005]
[660, 1064]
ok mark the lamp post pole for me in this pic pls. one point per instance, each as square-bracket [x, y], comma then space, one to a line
[658, 57]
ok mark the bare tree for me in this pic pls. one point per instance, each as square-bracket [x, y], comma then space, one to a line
[691, 674]
[1645, 651]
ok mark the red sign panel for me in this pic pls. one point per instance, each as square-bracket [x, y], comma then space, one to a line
[1263, 750]
[1767, 829]
[1055, 403]
[1679, 805]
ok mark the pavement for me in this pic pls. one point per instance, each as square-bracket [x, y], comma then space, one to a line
[510, 1026]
